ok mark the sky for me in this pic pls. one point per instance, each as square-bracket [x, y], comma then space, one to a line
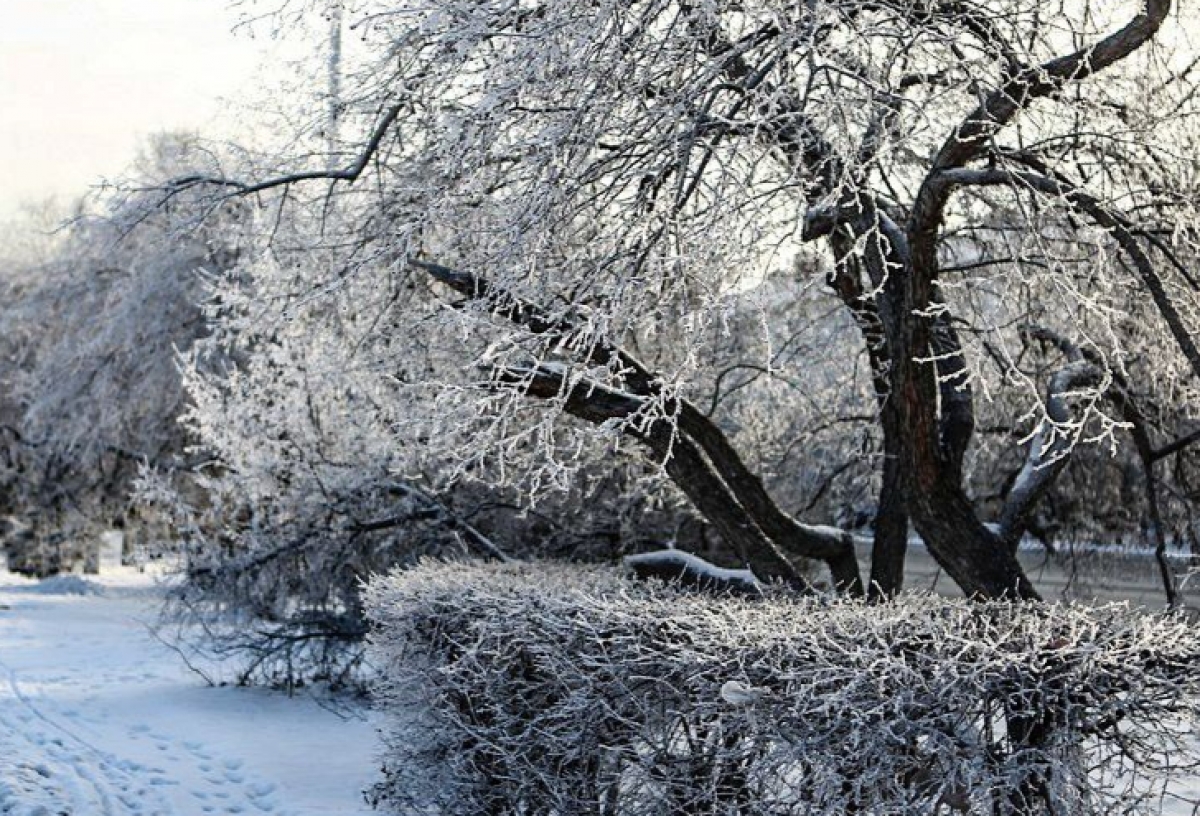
[82, 82]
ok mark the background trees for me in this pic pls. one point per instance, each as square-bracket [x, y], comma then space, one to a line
[91, 387]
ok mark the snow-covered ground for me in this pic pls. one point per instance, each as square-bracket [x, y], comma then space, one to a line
[97, 718]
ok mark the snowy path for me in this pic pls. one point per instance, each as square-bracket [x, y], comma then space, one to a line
[99, 719]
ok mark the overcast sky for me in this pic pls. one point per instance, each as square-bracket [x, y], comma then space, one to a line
[82, 81]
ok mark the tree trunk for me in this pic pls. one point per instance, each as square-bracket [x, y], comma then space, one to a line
[971, 554]
[891, 518]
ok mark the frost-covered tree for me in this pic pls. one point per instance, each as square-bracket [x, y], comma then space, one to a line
[937, 211]
[319, 467]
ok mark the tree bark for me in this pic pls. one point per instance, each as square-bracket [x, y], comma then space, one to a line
[890, 546]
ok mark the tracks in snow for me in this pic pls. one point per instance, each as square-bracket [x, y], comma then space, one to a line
[48, 769]
[68, 747]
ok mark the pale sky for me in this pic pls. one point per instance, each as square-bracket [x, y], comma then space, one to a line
[83, 81]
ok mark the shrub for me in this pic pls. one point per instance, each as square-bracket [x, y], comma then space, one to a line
[547, 689]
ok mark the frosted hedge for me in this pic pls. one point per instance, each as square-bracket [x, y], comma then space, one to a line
[546, 689]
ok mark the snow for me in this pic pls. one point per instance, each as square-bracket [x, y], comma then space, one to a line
[98, 718]
[693, 565]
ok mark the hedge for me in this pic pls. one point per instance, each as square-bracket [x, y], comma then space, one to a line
[558, 689]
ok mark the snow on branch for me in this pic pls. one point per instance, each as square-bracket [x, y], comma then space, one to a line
[1053, 442]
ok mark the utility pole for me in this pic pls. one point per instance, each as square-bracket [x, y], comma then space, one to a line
[335, 81]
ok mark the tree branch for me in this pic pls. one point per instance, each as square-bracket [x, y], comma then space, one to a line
[349, 174]
[689, 570]
[1116, 226]
[1122, 398]
[971, 137]
[1172, 448]
[834, 547]
[435, 510]
[683, 462]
